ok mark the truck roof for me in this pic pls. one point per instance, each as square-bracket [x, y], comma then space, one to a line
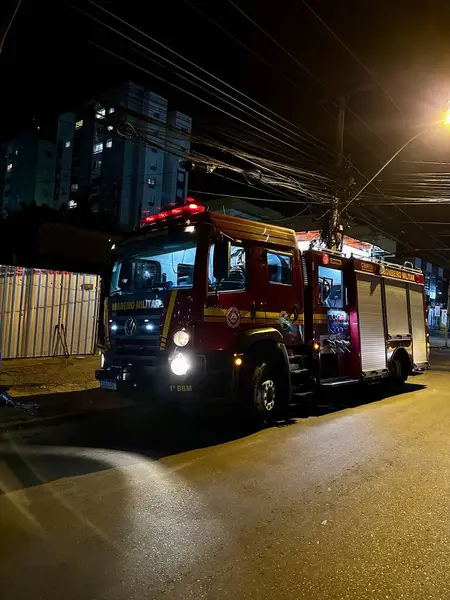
[238, 228]
[234, 227]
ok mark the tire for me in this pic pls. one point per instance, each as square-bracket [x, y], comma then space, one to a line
[399, 372]
[266, 394]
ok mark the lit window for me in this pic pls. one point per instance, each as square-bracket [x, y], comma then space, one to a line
[101, 113]
[79, 124]
[109, 143]
[16, 152]
[110, 128]
[151, 182]
[67, 144]
[74, 187]
[72, 204]
[97, 165]
[9, 167]
[98, 148]
[111, 110]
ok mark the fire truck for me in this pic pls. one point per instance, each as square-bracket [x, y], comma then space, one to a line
[202, 305]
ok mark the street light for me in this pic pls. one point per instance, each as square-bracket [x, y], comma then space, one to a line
[444, 121]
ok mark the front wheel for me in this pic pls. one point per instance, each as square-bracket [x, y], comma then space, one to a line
[266, 393]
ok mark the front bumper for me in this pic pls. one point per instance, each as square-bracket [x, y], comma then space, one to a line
[152, 381]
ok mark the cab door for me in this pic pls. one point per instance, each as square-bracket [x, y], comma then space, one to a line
[282, 293]
[232, 304]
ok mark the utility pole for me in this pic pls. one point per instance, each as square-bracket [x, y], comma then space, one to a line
[332, 231]
[9, 21]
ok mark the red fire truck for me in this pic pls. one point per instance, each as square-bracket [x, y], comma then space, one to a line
[201, 304]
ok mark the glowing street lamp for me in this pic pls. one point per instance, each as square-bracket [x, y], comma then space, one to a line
[444, 121]
[447, 116]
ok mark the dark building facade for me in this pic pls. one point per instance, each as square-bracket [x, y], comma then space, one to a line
[121, 155]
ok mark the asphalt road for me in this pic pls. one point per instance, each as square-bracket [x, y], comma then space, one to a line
[351, 502]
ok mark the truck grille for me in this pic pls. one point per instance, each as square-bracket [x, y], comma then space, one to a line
[141, 338]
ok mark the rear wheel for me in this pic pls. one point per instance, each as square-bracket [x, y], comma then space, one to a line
[399, 371]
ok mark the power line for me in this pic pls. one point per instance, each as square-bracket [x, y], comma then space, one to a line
[301, 65]
[220, 98]
[248, 124]
[170, 83]
[205, 71]
[304, 68]
[241, 43]
[353, 55]
[174, 85]
[278, 200]
[277, 139]
[7, 26]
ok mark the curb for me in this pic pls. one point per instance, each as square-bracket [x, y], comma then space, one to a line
[27, 424]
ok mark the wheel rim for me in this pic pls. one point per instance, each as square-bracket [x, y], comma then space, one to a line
[267, 395]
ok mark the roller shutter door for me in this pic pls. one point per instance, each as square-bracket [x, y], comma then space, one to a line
[371, 326]
[418, 324]
[396, 308]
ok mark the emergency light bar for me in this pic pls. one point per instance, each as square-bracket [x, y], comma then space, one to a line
[180, 211]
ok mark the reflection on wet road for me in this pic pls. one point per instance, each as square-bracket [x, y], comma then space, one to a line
[347, 500]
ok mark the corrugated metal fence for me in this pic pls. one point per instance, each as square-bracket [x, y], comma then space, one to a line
[47, 313]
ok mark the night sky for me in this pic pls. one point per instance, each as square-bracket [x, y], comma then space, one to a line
[48, 64]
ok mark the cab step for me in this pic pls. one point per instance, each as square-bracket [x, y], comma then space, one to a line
[298, 371]
[296, 357]
[335, 382]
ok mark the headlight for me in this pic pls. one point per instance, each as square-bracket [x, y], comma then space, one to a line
[179, 365]
[181, 338]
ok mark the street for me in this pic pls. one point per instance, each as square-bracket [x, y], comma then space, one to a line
[347, 501]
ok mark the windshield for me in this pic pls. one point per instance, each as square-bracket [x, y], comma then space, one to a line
[163, 264]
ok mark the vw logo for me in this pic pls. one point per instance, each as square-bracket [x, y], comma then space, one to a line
[130, 326]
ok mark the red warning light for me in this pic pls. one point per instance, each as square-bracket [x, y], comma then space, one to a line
[189, 209]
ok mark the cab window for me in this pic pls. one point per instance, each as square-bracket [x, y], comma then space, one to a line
[237, 280]
[279, 267]
[331, 289]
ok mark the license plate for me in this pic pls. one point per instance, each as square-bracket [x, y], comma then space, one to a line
[181, 388]
[108, 384]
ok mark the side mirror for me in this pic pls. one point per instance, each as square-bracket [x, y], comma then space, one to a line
[221, 260]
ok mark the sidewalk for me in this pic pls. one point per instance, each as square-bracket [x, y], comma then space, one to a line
[49, 389]
[438, 341]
